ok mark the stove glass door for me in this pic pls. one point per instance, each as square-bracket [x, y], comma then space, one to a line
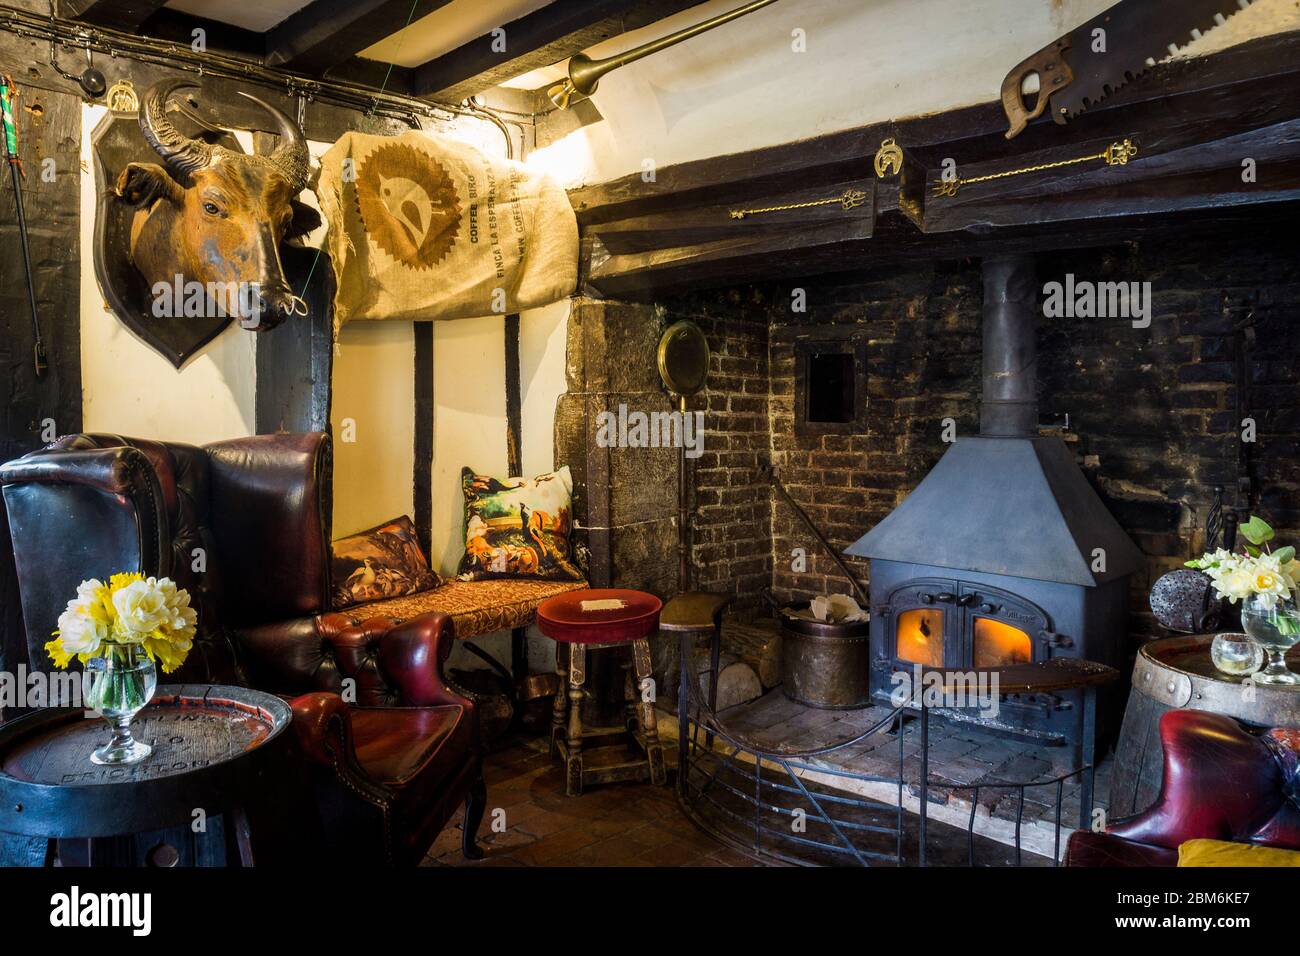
[999, 644]
[920, 636]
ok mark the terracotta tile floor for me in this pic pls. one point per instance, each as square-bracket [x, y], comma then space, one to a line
[530, 822]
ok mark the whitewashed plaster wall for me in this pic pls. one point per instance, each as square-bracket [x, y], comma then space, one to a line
[744, 86]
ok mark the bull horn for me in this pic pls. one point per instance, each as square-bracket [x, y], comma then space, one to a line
[181, 153]
[290, 156]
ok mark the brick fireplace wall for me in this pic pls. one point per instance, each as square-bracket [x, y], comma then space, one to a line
[1154, 413]
[732, 501]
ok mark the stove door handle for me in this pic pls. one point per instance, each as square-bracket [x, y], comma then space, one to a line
[945, 597]
[966, 600]
[1054, 640]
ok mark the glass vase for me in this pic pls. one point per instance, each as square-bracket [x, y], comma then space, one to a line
[118, 685]
[1276, 629]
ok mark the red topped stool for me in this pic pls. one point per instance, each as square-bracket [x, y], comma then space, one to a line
[596, 618]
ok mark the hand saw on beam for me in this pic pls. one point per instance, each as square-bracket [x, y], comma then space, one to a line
[1093, 60]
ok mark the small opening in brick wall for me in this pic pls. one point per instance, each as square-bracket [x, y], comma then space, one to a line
[830, 387]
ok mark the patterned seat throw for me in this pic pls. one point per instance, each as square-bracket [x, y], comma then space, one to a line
[475, 607]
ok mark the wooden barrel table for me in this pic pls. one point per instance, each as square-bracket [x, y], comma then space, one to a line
[216, 789]
[1176, 673]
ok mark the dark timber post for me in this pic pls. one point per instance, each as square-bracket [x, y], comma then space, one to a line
[422, 477]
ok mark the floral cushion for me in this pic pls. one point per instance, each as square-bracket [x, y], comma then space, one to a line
[518, 527]
[383, 562]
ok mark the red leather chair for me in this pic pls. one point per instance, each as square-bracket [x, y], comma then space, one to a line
[1221, 783]
[244, 526]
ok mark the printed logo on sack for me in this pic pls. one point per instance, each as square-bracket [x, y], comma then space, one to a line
[76, 909]
[408, 204]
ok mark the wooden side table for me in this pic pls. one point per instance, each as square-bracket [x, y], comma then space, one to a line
[217, 788]
[593, 619]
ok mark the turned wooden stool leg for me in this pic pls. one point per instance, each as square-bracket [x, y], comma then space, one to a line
[559, 708]
[573, 743]
[632, 698]
[654, 752]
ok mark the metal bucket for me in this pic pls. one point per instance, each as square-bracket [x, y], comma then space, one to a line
[826, 665]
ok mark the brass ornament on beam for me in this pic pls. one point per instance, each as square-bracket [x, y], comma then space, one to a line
[849, 199]
[1116, 154]
[889, 159]
[121, 98]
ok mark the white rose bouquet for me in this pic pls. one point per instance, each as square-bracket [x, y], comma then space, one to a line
[1257, 571]
[152, 613]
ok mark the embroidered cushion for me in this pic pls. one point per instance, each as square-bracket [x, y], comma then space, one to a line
[383, 562]
[518, 527]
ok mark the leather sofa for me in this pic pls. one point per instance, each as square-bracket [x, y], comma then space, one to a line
[244, 526]
[1221, 782]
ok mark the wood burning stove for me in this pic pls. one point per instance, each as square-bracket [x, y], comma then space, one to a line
[934, 617]
[1003, 554]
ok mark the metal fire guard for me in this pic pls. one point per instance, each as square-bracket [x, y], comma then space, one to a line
[751, 787]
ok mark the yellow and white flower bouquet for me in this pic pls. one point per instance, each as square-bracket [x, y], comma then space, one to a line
[152, 613]
[1259, 571]
[1263, 580]
[119, 631]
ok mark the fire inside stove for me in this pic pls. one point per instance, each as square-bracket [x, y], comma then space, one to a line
[998, 644]
[920, 637]
[920, 640]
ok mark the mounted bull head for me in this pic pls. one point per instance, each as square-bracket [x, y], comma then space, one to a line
[216, 217]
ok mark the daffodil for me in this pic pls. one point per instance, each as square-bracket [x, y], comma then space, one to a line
[152, 613]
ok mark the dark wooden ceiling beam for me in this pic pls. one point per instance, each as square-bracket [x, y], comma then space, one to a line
[177, 27]
[327, 33]
[1193, 120]
[542, 38]
[125, 15]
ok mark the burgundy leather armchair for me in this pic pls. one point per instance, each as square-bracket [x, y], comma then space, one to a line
[244, 526]
[1220, 783]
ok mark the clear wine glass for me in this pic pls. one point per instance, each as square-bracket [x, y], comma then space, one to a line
[1277, 629]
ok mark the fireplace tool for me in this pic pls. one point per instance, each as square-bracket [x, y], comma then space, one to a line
[10, 137]
[684, 368]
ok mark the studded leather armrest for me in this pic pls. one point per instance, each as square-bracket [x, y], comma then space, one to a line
[1220, 783]
[412, 655]
[375, 662]
[322, 727]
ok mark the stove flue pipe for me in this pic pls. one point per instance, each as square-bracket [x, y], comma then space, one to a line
[1009, 407]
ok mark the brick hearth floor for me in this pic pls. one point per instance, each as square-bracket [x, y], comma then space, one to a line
[961, 754]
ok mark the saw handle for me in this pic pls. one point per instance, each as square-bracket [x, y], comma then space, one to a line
[1054, 75]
